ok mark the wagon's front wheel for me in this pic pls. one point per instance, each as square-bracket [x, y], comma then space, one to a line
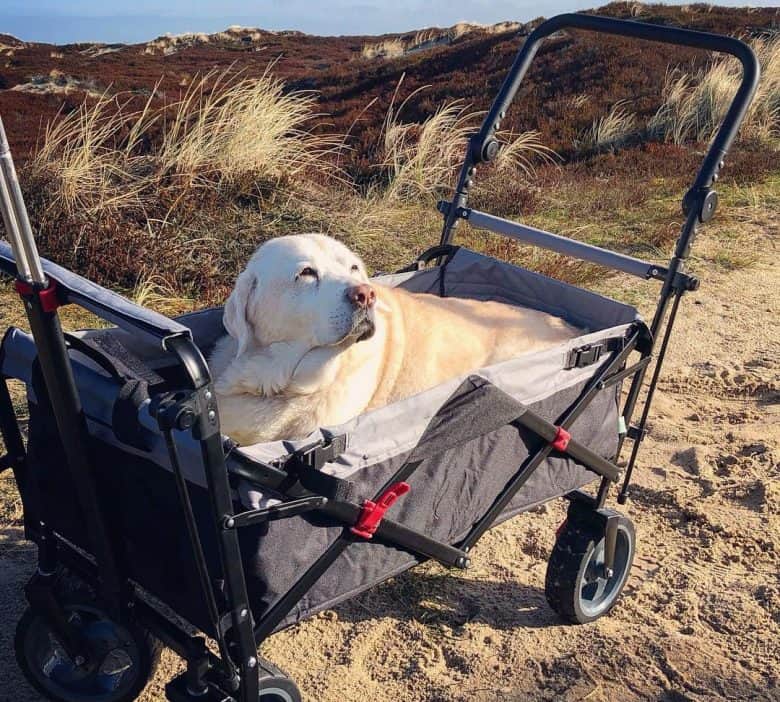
[578, 586]
[275, 686]
[121, 662]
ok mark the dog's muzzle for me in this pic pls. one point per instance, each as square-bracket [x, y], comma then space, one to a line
[363, 325]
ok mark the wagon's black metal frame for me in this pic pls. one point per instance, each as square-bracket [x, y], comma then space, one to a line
[234, 673]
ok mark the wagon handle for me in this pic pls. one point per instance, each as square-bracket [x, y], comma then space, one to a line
[15, 219]
[483, 146]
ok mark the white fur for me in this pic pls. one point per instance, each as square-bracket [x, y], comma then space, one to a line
[286, 333]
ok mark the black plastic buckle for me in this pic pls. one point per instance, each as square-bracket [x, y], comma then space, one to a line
[326, 451]
[584, 356]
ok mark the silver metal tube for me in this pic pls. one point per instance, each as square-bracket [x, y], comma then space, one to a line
[562, 245]
[15, 219]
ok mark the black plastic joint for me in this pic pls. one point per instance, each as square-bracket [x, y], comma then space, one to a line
[703, 201]
[483, 151]
[174, 411]
[683, 281]
[635, 433]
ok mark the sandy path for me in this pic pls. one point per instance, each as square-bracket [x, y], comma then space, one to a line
[700, 619]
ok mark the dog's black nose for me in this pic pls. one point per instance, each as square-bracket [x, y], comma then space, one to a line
[362, 295]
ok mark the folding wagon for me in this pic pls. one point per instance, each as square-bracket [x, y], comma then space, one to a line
[154, 529]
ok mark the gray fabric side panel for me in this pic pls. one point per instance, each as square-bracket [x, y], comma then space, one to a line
[98, 392]
[560, 244]
[106, 304]
[449, 493]
[473, 275]
[18, 355]
[388, 431]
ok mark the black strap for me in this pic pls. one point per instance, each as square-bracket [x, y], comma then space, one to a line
[127, 364]
[443, 252]
[328, 485]
[124, 418]
[305, 466]
[93, 354]
[130, 373]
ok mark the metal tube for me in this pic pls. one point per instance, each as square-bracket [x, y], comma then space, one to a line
[565, 246]
[623, 495]
[15, 219]
[650, 32]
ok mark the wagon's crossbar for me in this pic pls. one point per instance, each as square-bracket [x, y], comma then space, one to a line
[572, 247]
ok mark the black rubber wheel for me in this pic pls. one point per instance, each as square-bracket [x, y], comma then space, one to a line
[275, 686]
[576, 586]
[125, 659]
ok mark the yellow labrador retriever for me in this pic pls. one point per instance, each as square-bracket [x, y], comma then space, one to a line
[312, 343]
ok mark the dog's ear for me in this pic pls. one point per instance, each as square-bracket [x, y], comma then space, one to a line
[235, 316]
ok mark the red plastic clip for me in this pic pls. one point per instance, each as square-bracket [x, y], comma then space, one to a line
[50, 301]
[373, 512]
[561, 440]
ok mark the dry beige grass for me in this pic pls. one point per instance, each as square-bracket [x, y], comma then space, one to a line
[520, 153]
[694, 105]
[229, 129]
[82, 156]
[225, 130]
[420, 157]
[612, 131]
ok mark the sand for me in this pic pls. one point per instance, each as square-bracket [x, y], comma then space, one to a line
[700, 617]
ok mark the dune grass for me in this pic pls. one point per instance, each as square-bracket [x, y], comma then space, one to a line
[694, 105]
[169, 202]
[420, 157]
[612, 131]
[225, 130]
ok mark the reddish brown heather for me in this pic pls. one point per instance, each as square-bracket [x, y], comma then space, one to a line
[470, 68]
[195, 239]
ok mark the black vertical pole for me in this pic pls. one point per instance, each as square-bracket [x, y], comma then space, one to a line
[72, 428]
[206, 432]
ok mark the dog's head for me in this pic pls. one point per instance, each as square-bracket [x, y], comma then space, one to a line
[307, 289]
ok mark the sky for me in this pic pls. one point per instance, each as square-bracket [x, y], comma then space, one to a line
[132, 21]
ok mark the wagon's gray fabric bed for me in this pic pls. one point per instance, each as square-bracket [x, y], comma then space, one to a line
[467, 450]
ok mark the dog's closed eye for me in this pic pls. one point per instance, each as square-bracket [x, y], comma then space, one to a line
[308, 272]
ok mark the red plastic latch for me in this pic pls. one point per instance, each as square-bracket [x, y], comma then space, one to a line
[23, 288]
[50, 301]
[561, 440]
[373, 512]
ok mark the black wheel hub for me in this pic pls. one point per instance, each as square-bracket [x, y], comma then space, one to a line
[107, 673]
[600, 586]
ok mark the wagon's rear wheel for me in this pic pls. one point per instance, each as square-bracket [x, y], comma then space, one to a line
[578, 586]
[122, 660]
[275, 686]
